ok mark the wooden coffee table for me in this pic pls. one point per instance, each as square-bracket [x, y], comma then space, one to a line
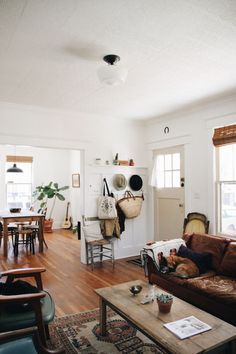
[147, 319]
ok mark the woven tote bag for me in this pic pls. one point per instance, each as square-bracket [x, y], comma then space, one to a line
[131, 205]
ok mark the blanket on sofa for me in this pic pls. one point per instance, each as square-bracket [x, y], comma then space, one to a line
[161, 249]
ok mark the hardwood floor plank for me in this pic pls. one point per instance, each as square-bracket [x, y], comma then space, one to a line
[70, 282]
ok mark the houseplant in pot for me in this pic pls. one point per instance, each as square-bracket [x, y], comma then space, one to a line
[43, 193]
[164, 302]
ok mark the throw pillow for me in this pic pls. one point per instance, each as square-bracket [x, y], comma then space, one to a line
[215, 245]
[228, 264]
[92, 232]
[202, 260]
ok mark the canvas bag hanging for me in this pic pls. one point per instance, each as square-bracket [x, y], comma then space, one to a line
[106, 204]
[131, 205]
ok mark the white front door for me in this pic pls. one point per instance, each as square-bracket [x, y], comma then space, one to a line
[169, 194]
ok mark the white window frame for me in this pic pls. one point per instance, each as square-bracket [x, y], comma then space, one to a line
[219, 184]
[21, 161]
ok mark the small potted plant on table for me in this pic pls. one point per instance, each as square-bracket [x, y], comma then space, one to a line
[164, 302]
[50, 191]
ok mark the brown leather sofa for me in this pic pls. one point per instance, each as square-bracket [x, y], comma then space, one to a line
[213, 291]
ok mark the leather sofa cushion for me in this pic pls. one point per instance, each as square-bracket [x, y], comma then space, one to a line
[210, 244]
[218, 287]
[228, 264]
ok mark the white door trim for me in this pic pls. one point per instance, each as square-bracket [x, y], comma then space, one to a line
[185, 141]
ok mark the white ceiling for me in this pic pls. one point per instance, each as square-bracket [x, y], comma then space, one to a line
[178, 52]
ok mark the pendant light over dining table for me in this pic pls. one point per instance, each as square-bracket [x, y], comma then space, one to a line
[14, 168]
[112, 74]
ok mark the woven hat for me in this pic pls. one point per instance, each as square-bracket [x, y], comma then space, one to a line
[119, 182]
[135, 182]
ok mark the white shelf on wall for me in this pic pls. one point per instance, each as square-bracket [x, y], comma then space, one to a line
[117, 166]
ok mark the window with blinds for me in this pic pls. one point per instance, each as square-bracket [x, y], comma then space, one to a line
[19, 185]
[225, 141]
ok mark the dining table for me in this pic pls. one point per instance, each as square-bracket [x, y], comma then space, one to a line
[6, 217]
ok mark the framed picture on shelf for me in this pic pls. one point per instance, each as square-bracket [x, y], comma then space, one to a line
[75, 180]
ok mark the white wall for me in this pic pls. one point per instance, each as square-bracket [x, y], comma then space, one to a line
[95, 136]
[48, 165]
[194, 129]
[135, 235]
[99, 136]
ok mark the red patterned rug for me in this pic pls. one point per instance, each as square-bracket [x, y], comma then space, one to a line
[80, 333]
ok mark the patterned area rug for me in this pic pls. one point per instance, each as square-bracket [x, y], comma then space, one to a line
[80, 333]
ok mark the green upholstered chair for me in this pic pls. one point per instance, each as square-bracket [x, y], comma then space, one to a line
[25, 341]
[43, 308]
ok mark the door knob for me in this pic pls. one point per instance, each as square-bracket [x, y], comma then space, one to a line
[181, 205]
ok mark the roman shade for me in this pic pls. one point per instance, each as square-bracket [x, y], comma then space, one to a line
[224, 135]
[13, 158]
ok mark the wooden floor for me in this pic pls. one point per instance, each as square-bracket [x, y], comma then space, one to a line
[70, 282]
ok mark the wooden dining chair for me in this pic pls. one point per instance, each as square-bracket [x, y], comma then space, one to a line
[25, 237]
[11, 228]
[34, 226]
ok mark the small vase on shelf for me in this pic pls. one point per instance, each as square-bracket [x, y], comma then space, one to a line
[116, 161]
[131, 162]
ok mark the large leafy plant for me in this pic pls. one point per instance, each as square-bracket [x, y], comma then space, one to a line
[50, 191]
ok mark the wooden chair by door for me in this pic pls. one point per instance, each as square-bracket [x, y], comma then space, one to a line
[99, 248]
[196, 223]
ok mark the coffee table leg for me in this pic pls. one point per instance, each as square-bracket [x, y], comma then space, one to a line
[103, 317]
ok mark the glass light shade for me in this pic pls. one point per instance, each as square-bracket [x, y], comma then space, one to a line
[112, 74]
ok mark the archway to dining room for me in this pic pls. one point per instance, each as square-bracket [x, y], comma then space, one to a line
[41, 165]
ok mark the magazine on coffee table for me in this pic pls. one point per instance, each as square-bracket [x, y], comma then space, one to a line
[187, 327]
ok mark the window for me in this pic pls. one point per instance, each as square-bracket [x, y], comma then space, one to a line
[167, 170]
[226, 182]
[19, 185]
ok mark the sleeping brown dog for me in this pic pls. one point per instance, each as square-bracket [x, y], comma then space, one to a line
[184, 267]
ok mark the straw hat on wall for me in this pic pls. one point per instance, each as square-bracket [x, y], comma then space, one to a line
[119, 182]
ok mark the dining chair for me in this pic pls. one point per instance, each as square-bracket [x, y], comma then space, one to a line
[34, 226]
[11, 228]
[42, 309]
[25, 237]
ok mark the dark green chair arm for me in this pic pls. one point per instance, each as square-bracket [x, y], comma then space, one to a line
[25, 341]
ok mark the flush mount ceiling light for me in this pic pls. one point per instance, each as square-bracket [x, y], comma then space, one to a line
[112, 74]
